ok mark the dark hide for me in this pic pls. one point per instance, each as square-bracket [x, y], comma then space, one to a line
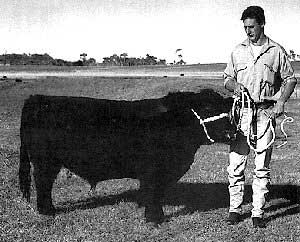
[151, 140]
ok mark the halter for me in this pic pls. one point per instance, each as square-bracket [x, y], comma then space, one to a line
[238, 107]
[207, 120]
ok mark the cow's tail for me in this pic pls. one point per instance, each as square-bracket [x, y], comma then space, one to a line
[24, 167]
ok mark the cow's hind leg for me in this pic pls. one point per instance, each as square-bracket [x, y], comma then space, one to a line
[45, 174]
[153, 192]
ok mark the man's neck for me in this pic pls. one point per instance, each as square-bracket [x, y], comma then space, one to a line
[261, 41]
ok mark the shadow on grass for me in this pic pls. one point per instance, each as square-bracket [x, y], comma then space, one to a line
[96, 201]
[195, 197]
[205, 197]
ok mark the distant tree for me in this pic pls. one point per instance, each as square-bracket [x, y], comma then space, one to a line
[106, 61]
[181, 62]
[150, 60]
[77, 63]
[292, 55]
[61, 62]
[113, 60]
[91, 62]
[37, 59]
[161, 62]
[123, 57]
[83, 57]
[124, 60]
[116, 60]
[179, 58]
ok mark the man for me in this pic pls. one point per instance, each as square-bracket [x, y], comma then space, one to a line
[259, 67]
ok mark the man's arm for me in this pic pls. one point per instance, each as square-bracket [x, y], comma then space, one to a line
[230, 82]
[288, 85]
[233, 86]
[285, 95]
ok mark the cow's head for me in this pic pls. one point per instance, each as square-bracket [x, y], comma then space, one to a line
[206, 104]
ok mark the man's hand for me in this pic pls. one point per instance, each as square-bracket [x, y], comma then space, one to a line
[278, 109]
[238, 89]
[282, 97]
[235, 87]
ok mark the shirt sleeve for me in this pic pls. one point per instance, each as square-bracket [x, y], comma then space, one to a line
[229, 72]
[286, 69]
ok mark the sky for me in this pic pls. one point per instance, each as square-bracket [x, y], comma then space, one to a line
[205, 30]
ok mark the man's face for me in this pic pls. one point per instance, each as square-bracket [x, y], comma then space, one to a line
[253, 29]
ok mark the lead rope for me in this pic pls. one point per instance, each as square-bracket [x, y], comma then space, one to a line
[223, 115]
[286, 119]
[256, 150]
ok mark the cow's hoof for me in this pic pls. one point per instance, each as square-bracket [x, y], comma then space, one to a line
[152, 225]
[154, 222]
[47, 211]
[154, 215]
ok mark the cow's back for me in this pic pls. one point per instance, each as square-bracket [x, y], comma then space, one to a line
[97, 138]
[106, 139]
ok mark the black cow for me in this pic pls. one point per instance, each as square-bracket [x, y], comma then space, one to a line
[153, 140]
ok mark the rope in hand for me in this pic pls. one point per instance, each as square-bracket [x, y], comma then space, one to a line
[256, 150]
[286, 119]
[207, 120]
[244, 96]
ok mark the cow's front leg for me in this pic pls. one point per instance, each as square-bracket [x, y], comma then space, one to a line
[153, 194]
[154, 213]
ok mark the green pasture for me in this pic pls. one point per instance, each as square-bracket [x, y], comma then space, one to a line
[195, 207]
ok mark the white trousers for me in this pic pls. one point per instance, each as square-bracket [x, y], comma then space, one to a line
[239, 151]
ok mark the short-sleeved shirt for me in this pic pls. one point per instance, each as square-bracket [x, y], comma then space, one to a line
[263, 76]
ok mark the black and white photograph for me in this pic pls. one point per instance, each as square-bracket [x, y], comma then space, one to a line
[149, 120]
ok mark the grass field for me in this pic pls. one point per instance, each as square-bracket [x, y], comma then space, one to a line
[197, 70]
[195, 207]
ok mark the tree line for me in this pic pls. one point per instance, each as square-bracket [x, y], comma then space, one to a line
[46, 59]
[293, 56]
[113, 60]
[41, 59]
[124, 60]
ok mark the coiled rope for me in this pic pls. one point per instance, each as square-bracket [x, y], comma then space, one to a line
[246, 97]
[256, 150]
[287, 119]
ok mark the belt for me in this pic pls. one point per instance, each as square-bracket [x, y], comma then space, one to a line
[261, 105]
[246, 104]
[265, 104]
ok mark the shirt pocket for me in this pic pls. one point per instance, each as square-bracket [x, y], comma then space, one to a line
[240, 69]
[269, 74]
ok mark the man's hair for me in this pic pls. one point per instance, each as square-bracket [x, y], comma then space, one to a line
[254, 12]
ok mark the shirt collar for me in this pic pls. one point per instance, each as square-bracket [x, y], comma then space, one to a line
[269, 43]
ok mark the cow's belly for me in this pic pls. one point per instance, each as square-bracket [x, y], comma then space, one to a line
[108, 154]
